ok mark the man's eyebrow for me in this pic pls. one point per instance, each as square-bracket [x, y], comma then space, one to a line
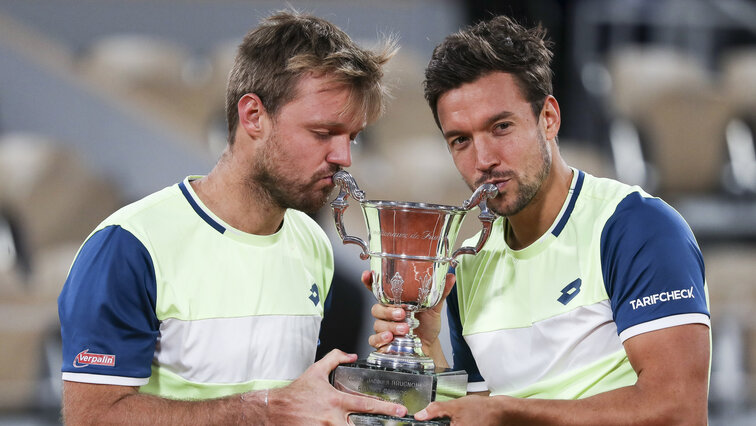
[451, 133]
[333, 126]
[330, 124]
[500, 116]
[491, 120]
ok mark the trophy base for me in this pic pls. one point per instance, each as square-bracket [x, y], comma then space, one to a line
[379, 420]
[414, 389]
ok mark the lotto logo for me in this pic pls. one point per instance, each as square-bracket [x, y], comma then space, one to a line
[84, 358]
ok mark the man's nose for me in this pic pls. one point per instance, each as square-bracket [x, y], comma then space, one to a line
[486, 157]
[341, 153]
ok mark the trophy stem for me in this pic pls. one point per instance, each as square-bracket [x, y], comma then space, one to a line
[404, 352]
[413, 323]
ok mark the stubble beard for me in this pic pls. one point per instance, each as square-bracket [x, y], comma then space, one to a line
[280, 187]
[528, 188]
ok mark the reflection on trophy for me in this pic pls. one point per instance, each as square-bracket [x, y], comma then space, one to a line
[410, 250]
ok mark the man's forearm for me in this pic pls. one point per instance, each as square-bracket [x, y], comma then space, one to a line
[310, 399]
[626, 406]
[623, 406]
[137, 408]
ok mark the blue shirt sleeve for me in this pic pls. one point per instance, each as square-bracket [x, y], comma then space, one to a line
[107, 307]
[651, 263]
[461, 354]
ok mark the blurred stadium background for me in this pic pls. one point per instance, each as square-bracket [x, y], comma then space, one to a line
[105, 101]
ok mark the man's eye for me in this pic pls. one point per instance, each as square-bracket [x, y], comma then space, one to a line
[458, 142]
[502, 126]
[322, 135]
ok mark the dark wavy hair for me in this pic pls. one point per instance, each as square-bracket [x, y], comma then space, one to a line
[498, 44]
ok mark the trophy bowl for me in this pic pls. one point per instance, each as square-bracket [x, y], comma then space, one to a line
[410, 248]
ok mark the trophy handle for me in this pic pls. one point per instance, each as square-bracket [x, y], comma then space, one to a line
[347, 186]
[486, 217]
[487, 190]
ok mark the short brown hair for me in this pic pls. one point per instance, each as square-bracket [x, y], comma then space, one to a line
[499, 44]
[287, 45]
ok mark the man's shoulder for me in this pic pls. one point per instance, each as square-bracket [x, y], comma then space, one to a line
[625, 203]
[603, 191]
[605, 200]
[155, 205]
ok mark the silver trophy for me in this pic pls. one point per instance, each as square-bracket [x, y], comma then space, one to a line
[410, 247]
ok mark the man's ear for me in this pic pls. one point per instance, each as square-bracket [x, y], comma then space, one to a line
[551, 117]
[251, 114]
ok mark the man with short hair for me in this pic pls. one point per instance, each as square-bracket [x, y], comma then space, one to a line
[588, 303]
[202, 302]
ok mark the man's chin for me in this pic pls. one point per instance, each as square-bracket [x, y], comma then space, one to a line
[501, 207]
[314, 204]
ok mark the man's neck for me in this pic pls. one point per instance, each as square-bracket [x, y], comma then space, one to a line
[536, 218]
[236, 201]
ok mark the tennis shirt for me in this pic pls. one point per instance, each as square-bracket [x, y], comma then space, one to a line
[166, 296]
[549, 320]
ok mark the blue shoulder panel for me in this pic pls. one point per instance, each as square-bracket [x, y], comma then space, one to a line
[107, 307]
[462, 355]
[651, 263]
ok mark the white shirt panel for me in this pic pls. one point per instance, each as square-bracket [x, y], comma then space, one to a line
[546, 349]
[277, 348]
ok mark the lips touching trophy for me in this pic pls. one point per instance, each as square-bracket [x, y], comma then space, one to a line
[410, 251]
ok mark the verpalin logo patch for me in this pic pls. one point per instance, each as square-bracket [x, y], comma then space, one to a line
[84, 359]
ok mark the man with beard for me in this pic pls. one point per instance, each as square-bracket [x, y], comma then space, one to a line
[588, 303]
[202, 302]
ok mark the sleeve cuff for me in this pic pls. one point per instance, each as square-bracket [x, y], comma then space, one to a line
[102, 379]
[665, 322]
